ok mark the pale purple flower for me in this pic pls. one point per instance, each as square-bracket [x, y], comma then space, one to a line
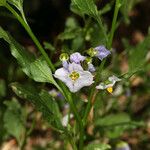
[102, 52]
[65, 64]
[74, 77]
[91, 67]
[77, 58]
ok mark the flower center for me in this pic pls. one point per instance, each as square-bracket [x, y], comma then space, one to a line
[110, 89]
[74, 75]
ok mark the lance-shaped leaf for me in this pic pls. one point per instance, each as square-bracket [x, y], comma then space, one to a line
[38, 69]
[42, 101]
[14, 120]
[23, 57]
[17, 3]
[101, 146]
[87, 7]
[137, 55]
[2, 2]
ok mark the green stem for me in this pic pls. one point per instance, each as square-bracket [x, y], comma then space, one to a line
[79, 120]
[69, 99]
[29, 31]
[81, 140]
[88, 108]
[102, 28]
[73, 144]
[113, 27]
[109, 44]
[23, 16]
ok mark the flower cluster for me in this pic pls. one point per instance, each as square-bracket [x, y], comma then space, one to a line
[75, 75]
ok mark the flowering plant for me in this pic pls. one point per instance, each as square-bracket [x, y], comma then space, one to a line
[77, 80]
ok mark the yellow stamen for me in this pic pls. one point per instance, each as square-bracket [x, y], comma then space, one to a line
[74, 75]
[110, 89]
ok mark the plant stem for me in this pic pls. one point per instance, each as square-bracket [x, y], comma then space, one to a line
[109, 44]
[102, 28]
[113, 27]
[33, 37]
[79, 120]
[88, 108]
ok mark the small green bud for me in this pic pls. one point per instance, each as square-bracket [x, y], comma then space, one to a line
[92, 52]
[122, 146]
[88, 60]
[64, 57]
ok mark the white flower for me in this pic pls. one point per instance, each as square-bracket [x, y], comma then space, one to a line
[108, 84]
[74, 77]
[65, 119]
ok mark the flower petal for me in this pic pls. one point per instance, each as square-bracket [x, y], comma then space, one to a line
[103, 86]
[85, 79]
[114, 79]
[65, 64]
[91, 67]
[61, 74]
[77, 57]
[102, 52]
[75, 67]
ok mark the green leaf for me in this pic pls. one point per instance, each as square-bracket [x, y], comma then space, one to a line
[38, 69]
[87, 7]
[4, 35]
[17, 3]
[72, 30]
[137, 55]
[71, 23]
[49, 46]
[69, 34]
[14, 120]
[42, 101]
[75, 9]
[115, 124]
[2, 2]
[23, 57]
[98, 147]
[2, 88]
[113, 119]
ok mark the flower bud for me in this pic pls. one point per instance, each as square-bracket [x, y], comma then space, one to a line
[88, 60]
[64, 57]
[122, 146]
[92, 52]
